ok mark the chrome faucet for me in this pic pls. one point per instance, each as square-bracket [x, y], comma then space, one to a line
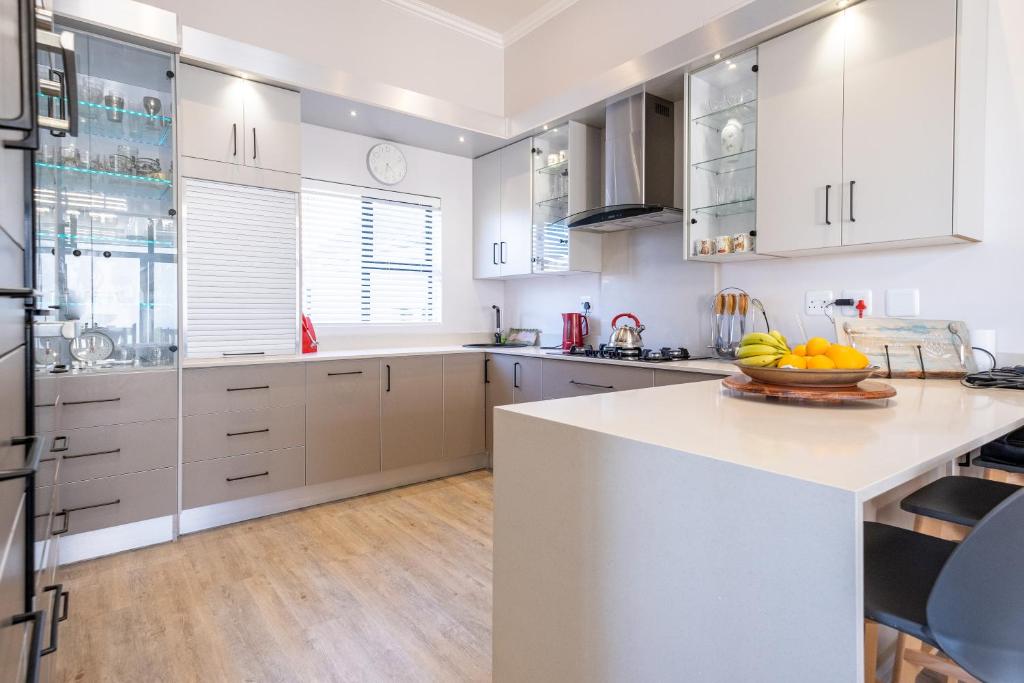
[497, 324]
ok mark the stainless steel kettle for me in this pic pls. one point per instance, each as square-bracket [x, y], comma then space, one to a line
[627, 336]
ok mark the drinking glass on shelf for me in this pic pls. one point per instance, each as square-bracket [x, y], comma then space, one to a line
[114, 101]
[92, 94]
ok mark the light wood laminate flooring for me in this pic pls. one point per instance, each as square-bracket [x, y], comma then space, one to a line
[389, 586]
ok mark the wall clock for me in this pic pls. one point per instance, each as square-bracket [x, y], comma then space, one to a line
[386, 163]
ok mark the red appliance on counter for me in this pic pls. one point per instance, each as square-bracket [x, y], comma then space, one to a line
[574, 329]
[309, 341]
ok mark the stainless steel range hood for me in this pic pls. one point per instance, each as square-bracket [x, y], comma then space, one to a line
[639, 150]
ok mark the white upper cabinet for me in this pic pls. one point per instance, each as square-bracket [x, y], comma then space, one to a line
[866, 111]
[515, 247]
[272, 134]
[239, 122]
[486, 215]
[898, 122]
[800, 126]
[211, 115]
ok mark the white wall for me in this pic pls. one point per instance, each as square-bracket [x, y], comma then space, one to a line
[366, 38]
[643, 273]
[977, 283]
[466, 314]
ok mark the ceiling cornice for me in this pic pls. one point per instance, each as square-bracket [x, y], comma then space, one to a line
[493, 38]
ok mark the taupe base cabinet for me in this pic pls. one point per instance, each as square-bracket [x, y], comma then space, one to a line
[342, 419]
[412, 411]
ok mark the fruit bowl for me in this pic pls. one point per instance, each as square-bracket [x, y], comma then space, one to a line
[807, 378]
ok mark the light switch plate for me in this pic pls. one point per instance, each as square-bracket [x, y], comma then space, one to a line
[816, 300]
[856, 294]
[902, 303]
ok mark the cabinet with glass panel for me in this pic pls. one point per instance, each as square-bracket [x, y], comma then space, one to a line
[722, 167]
[105, 221]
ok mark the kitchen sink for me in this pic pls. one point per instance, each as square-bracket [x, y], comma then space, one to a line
[492, 345]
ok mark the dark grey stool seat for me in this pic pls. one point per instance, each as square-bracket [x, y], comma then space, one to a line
[1005, 453]
[900, 568]
[960, 500]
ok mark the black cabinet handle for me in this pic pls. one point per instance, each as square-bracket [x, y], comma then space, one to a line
[54, 448]
[595, 386]
[58, 592]
[87, 455]
[254, 142]
[234, 139]
[64, 528]
[251, 431]
[339, 374]
[26, 49]
[262, 386]
[487, 364]
[16, 292]
[828, 191]
[32, 457]
[95, 400]
[852, 183]
[35, 648]
[502, 251]
[243, 353]
[515, 376]
[247, 476]
[388, 373]
[494, 253]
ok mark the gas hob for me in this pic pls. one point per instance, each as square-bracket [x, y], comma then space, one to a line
[663, 355]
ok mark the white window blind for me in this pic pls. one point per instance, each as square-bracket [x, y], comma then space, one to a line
[240, 269]
[369, 256]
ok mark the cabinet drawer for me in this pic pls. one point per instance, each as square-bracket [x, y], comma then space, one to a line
[106, 502]
[574, 378]
[214, 390]
[116, 398]
[12, 408]
[94, 452]
[342, 419]
[664, 378]
[241, 476]
[215, 435]
[12, 580]
[46, 389]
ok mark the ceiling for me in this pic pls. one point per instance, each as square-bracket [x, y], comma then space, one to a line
[496, 15]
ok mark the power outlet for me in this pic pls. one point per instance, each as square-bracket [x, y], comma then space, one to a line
[815, 301]
[586, 306]
[856, 294]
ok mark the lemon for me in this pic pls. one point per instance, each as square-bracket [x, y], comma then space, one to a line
[793, 361]
[817, 346]
[820, 362]
[800, 350]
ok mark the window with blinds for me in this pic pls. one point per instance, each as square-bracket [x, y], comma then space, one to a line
[369, 256]
[241, 270]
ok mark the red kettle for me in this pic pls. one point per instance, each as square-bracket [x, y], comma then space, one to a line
[574, 329]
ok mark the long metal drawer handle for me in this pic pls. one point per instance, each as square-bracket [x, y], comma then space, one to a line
[588, 384]
[264, 386]
[243, 353]
[67, 511]
[95, 400]
[86, 455]
[247, 476]
[351, 372]
[251, 431]
[37, 619]
[58, 590]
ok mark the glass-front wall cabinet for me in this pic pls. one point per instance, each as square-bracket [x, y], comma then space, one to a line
[723, 159]
[551, 200]
[106, 229]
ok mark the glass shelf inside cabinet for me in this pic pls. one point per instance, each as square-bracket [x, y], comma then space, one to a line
[728, 208]
[561, 168]
[730, 163]
[744, 112]
[555, 202]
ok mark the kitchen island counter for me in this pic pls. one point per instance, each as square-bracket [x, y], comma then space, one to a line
[686, 532]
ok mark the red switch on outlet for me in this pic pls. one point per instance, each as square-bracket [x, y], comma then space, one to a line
[861, 307]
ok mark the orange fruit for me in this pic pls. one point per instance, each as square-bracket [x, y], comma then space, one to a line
[792, 360]
[862, 360]
[817, 346]
[820, 362]
[842, 356]
[800, 350]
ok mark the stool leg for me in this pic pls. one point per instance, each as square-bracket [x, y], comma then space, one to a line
[870, 650]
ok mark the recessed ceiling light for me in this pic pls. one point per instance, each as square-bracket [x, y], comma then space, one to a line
[353, 113]
[718, 55]
[732, 66]
[842, 3]
[555, 130]
[545, 126]
[462, 138]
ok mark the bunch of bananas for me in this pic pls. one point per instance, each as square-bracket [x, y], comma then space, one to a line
[761, 350]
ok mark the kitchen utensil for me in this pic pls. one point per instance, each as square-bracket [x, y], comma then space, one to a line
[717, 341]
[730, 314]
[744, 305]
[151, 105]
[575, 328]
[114, 102]
[807, 378]
[310, 343]
[92, 346]
[626, 336]
[868, 390]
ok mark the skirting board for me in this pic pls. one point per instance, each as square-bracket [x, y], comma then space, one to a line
[219, 514]
[91, 544]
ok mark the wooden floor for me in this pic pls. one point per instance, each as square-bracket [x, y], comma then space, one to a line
[391, 586]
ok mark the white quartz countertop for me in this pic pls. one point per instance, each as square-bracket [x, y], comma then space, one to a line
[865, 448]
[707, 366]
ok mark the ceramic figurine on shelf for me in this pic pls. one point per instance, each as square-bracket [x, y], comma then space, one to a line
[732, 137]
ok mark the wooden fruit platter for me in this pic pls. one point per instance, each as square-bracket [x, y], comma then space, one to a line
[868, 390]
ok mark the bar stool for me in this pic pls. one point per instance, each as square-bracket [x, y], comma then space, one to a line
[946, 508]
[1003, 459]
[965, 599]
